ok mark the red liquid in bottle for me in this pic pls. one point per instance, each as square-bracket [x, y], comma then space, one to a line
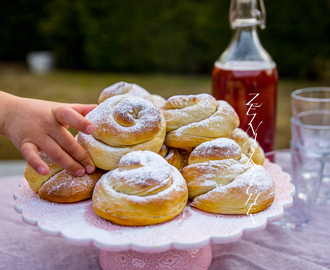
[250, 88]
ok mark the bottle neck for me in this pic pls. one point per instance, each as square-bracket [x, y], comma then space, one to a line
[245, 46]
[246, 41]
[246, 13]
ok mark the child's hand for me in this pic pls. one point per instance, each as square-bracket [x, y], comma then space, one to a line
[35, 125]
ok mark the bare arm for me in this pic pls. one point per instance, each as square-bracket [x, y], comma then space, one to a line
[33, 125]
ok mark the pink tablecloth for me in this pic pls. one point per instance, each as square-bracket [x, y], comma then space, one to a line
[22, 246]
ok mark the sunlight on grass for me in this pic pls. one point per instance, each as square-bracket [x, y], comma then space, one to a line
[85, 87]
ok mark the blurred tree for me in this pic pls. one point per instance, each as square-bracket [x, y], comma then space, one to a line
[143, 36]
[184, 36]
[19, 28]
[63, 30]
[298, 36]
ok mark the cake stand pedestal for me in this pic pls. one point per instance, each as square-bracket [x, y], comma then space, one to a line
[172, 259]
[181, 243]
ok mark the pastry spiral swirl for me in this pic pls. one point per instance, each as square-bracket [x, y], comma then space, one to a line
[124, 88]
[222, 180]
[59, 185]
[123, 124]
[194, 119]
[143, 190]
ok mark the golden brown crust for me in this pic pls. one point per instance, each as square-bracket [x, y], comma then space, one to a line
[144, 190]
[67, 188]
[227, 183]
[215, 151]
[192, 120]
[171, 155]
[176, 140]
[250, 147]
[185, 154]
[182, 110]
[241, 199]
[35, 179]
[123, 124]
[177, 157]
[59, 185]
[163, 151]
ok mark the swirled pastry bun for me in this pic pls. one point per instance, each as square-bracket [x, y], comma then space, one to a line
[194, 119]
[59, 185]
[143, 190]
[123, 124]
[250, 147]
[124, 88]
[222, 180]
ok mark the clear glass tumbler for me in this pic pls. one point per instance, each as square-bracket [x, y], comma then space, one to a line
[310, 99]
[306, 176]
[314, 141]
[310, 128]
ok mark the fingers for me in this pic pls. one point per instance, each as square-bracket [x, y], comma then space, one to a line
[58, 143]
[30, 154]
[74, 117]
[73, 155]
[83, 109]
[78, 163]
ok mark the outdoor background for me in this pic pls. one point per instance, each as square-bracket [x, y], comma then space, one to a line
[168, 47]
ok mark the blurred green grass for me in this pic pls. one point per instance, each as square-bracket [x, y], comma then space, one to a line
[85, 87]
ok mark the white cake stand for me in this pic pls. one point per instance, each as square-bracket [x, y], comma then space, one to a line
[181, 243]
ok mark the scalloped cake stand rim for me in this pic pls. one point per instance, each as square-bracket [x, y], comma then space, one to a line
[171, 244]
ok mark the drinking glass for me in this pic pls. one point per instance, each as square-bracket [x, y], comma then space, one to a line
[310, 128]
[306, 176]
[314, 141]
[310, 99]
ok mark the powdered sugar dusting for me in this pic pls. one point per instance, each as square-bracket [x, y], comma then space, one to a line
[143, 171]
[143, 158]
[222, 147]
[45, 158]
[230, 169]
[178, 115]
[156, 169]
[106, 149]
[255, 176]
[124, 88]
[104, 111]
[123, 119]
[247, 173]
[69, 183]
[218, 124]
[232, 178]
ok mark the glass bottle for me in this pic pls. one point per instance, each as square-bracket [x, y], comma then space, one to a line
[246, 76]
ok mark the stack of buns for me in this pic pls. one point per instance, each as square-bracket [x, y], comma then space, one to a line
[152, 154]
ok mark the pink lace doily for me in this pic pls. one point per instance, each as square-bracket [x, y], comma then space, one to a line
[77, 223]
